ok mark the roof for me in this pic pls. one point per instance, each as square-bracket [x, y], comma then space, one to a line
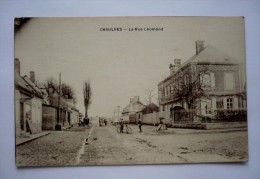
[209, 55]
[135, 107]
[32, 84]
[26, 84]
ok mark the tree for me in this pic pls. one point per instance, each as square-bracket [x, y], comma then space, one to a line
[87, 92]
[149, 95]
[51, 83]
[191, 87]
[68, 92]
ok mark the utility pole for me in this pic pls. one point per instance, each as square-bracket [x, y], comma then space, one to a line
[58, 125]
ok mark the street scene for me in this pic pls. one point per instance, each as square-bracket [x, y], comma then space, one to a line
[104, 146]
[129, 91]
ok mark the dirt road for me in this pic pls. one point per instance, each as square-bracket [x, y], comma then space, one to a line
[107, 147]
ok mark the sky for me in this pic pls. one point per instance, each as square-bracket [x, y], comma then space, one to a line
[120, 64]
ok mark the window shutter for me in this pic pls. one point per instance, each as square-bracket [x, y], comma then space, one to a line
[235, 103]
[214, 103]
[225, 103]
[212, 80]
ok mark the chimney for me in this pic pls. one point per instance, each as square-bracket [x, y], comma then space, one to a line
[136, 99]
[174, 68]
[32, 76]
[199, 46]
[17, 65]
[131, 100]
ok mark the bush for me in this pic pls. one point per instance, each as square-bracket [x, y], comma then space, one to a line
[231, 115]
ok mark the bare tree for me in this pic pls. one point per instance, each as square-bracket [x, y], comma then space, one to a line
[191, 87]
[68, 92]
[51, 83]
[87, 92]
[149, 92]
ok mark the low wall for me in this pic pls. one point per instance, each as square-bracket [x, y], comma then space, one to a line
[225, 125]
[209, 126]
[150, 119]
[153, 118]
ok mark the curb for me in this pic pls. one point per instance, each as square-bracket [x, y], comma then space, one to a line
[30, 139]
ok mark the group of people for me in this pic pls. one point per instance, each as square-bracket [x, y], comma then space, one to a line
[140, 123]
[121, 123]
[84, 122]
[102, 121]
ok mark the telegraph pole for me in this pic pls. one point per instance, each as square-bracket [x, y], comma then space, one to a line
[58, 125]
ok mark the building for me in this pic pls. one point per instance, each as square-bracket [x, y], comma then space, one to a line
[203, 86]
[28, 104]
[60, 112]
[133, 111]
[117, 113]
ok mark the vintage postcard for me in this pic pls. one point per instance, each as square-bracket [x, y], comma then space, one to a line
[130, 90]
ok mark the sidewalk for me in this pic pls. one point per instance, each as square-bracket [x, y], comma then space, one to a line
[22, 140]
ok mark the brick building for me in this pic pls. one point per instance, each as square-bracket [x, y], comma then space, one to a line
[214, 73]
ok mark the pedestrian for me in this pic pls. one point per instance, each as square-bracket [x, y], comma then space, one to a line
[105, 121]
[121, 126]
[100, 122]
[140, 125]
[160, 124]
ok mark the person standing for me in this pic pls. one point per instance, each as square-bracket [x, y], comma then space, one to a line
[121, 126]
[140, 125]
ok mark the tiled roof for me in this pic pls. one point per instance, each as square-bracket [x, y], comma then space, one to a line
[209, 55]
[26, 84]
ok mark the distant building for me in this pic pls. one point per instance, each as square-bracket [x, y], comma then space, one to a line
[219, 77]
[28, 104]
[133, 111]
[117, 113]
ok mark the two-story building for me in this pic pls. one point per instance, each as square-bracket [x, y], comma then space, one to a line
[206, 83]
[28, 104]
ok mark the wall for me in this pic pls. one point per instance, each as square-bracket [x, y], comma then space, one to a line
[17, 112]
[64, 119]
[151, 118]
[74, 117]
[36, 115]
[49, 117]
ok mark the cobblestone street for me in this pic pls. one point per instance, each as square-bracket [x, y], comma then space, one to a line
[56, 149]
[104, 146]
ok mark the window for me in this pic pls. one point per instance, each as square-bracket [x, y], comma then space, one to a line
[229, 82]
[229, 103]
[205, 80]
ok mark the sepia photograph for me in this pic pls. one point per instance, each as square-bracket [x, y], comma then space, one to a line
[99, 91]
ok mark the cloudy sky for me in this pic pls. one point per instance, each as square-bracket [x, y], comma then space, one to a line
[120, 64]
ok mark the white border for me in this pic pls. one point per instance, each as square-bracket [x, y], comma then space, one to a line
[15, 8]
